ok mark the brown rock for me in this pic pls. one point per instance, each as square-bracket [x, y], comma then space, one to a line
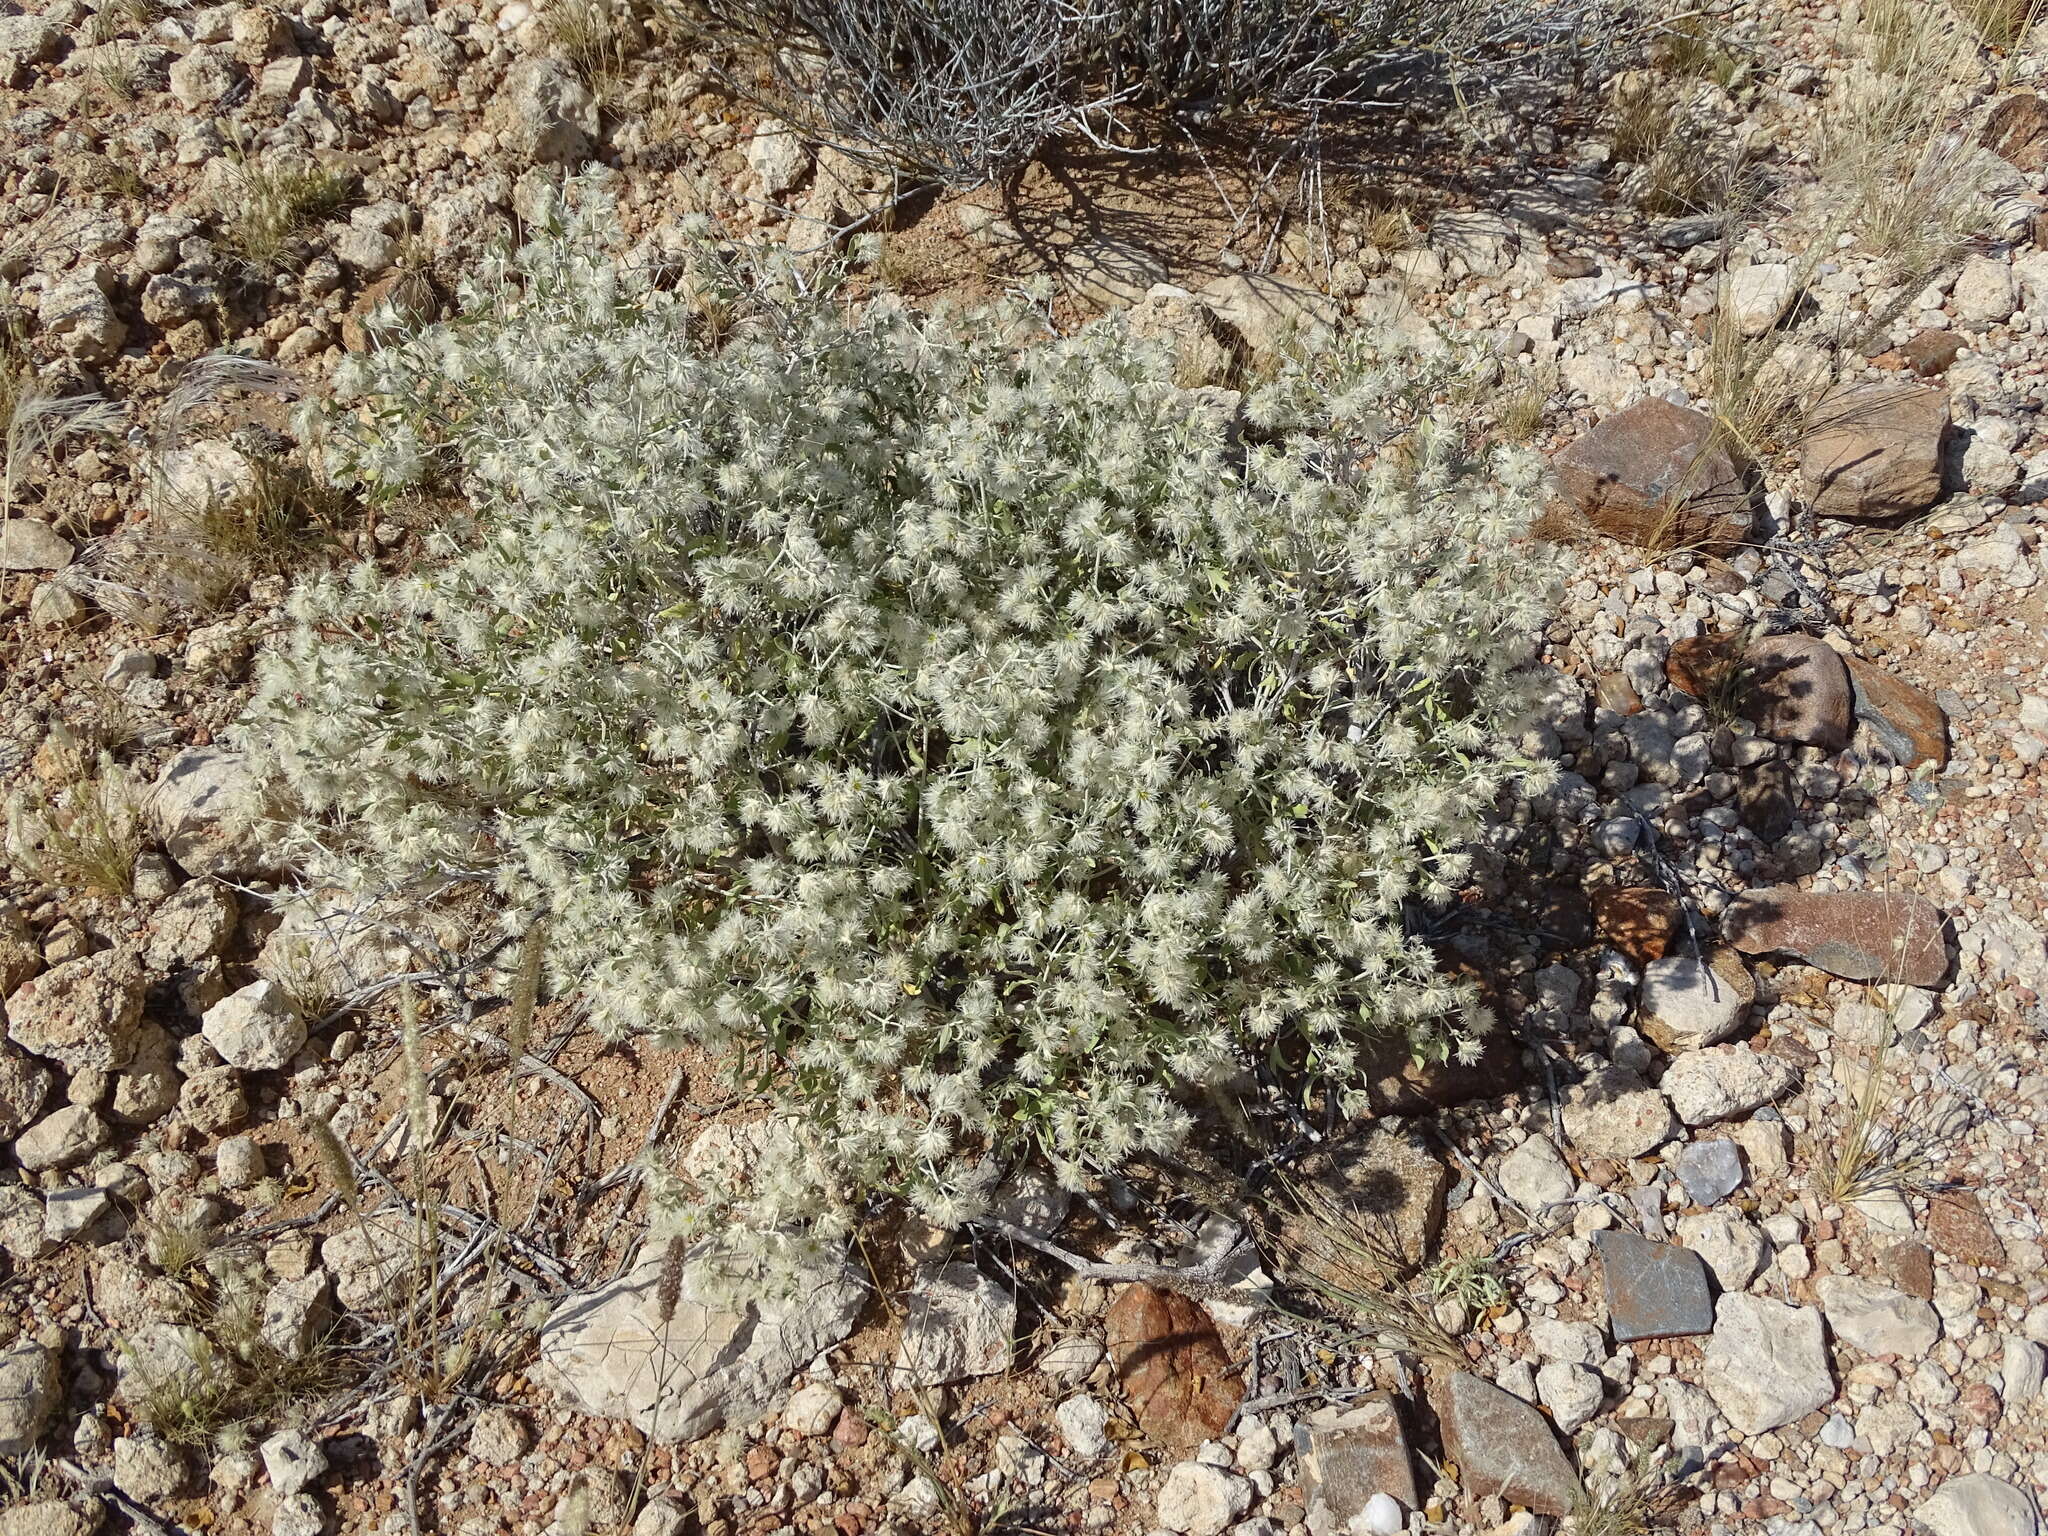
[1910, 1267]
[2017, 131]
[1958, 1227]
[1906, 722]
[1766, 801]
[1373, 1204]
[1354, 1452]
[1874, 451]
[1506, 1448]
[1704, 666]
[1929, 353]
[1653, 475]
[1857, 935]
[1613, 691]
[1797, 689]
[1173, 1366]
[1638, 920]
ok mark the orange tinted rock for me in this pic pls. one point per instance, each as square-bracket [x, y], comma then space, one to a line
[1958, 1227]
[1905, 720]
[1638, 920]
[1175, 1371]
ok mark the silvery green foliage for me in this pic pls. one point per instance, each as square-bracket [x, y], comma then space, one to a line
[970, 744]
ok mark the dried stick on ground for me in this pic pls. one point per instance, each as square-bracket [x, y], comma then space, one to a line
[1198, 1280]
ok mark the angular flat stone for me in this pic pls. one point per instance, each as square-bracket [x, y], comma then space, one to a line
[1689, 1001]
[1857, 935]
[682, 1370]
[1910, 1267]
[1958, 1227]
[1350, 1454]
[1173, 1366]
[1876, 1318]
[1504, 1446]
[1711, 1171]
[29, 545]
[1654, 1290]
[1796, 689]
[1654, 476]
[1767, 1363]
[1273, 317]
[1903, 720]
[957, 1323]
[1875, 451]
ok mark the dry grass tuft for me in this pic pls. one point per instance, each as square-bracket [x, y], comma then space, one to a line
[1685, 163]
[1694, 47]
[1523, 408]
[1881, 1148]
[86, 837]
[280, 200]
[1353, 1260]
[202, 555]
[2002, 24]
[234, 1381]
[34, 418]
[1632, 1503]
[596, 38]
[1907, 180]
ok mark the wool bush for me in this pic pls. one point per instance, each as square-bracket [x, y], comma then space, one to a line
[975, 745]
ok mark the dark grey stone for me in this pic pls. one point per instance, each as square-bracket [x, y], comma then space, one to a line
[1654, 1290]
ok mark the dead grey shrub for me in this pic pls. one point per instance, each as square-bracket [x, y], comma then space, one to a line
[963, 91]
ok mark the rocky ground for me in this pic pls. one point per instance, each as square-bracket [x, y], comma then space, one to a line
[1738, 1221]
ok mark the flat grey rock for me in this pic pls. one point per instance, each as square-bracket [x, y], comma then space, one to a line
[610, 1351]
[1654, 1290]
[1876, 1318]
